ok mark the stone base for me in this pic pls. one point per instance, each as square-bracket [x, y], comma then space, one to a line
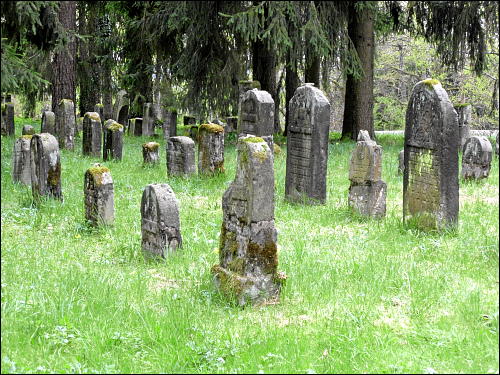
[368, 200]
[475, 171]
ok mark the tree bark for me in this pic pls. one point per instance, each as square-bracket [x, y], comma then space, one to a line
[291, 84]
[312, 69]
[358, 110]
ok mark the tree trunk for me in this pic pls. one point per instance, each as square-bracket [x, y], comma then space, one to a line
[312, 70]
[64, 64]
[358, 110]
[291, 84]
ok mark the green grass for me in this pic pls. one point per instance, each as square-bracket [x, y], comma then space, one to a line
[361, 295]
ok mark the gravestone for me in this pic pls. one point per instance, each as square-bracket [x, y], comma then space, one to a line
[244, 86]
[307, 146]
[160, 225]
[150, 152]
[210, 149]
[113, 140]
[180, 156]
[48, 122]
[120, 108]
[7, 117]
[45, 166]
[256, 116]
[99, 196]
[464, 112]
[28, 130]
[189, 120]
[169, 123]
[231, 124]
[401, 159]
[367, 191]
[137, 127]
[21, 160]
[65, 124]
[476, 159]
[147, 119]
[99, 108]
[430, 180]
[92, 134]
[248, 256]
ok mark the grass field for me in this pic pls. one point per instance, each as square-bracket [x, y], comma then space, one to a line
[361, 295]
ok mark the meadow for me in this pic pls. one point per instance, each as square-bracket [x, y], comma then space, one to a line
[361, 295]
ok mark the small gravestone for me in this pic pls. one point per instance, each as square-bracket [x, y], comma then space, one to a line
[307, 146]
[28, 130]
[150, 152]
[66, 124]
[99, 108]
[48, 122]
[120, 108]
[92, 134]
[7, 116]
[231, 124]
[45, 166]
[147, 119]
[464, 112]
[137, 127]
[401, 159]
[113, 140]
[21, 160]
[180, 156]
[248, 256]
[99, 196]
[256, 116]
[210, 149]
[476, 159]
[430, 182]
[160, 225]
[367, 192]
[189, 120]
[169, 123]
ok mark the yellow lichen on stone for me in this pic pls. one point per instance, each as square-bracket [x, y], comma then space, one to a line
[96, 173]
[152, 146]
[430, 82]
[277, 149]
[114, 126]
[27, 136]
[253, 140]
[93, 116]
[212, 128]
[65, 101]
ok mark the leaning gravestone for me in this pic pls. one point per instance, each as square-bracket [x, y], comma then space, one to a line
[120, 108]
[248, 256]
[401, 165]
[160, 225]
[430, 182]
[48, 122]
[256, 115]
[232, 124]
[65, 124]
[28, 130]
[367, 191]
[7, 116]
[99, 196]
[210, 149]
[150, 152]
[21, 160]
[476, 159]
[464, 111]
[45, 166]
[307, 146]
[113, 140]
[92, 134]
[180, 156]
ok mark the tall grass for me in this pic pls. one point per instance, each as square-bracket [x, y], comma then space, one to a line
[361, 295]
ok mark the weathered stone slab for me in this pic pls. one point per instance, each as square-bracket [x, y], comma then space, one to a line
[7, 117]
[169, 123]
[45, 166]
[147, 119]
[21, 160]
[136, 127]
[121, 107]
[366, 162]
[151, 152]
[401, 159]
[180, 156]
[368, 200]
[231, 124]
[307, 146]
[210, 149]
[248, 251]
[256, 115]
[99, 195]
[65, 124]
[92, 134]
[48, 122]
[476, 159]
[430, 182]
[464, 112]
[113, 140]
[160, 225]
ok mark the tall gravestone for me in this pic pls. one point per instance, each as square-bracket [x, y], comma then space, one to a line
[99, 196]
[48, 122]
[147, 119]
[45, 166]
[256, 116]
[92, 134]
[21, 160]
[307, 146]
[210, 149]
[160, 224]
[150, 152]
[65, 124]
[121, 106]
[7, 117]
[430, 180]
[169, 123]
[232, 124]
[464, 112]
[180, 156]
[136, 127]
[113, 140]
[248, 257]
[476, 159]
[367, 191]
